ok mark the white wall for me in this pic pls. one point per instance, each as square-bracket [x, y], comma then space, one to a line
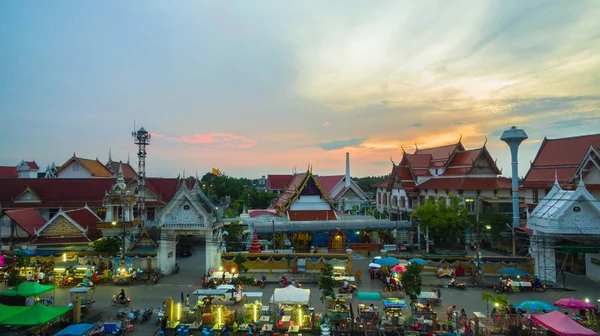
[310, 203]
[592, 176]
[68, 171]
[592, 270]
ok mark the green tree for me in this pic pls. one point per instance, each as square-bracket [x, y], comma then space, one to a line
[499, 300]
[240, 261]
[233, 238]
[442, 217]
[326, 283]
[411, 281]
[366, 183]
[20, 259]
[109, 246]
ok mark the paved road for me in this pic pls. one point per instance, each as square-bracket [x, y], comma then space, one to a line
[192, 269]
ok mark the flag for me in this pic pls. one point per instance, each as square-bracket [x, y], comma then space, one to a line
[217, 172]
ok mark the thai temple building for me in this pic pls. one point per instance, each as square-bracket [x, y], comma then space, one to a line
[341, 190]
[561, 193]
[436, 172]
[306, 218]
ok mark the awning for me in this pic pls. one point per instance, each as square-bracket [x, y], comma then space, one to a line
[369, 296]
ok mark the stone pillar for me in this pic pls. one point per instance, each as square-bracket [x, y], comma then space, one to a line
[166, 251]
[109, 214]
[213, 249]
[406, 202]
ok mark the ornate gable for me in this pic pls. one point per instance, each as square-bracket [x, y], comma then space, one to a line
[143, 242]
[28, 196]
[61, 226]
[309, 186]
[185, 209]
[484, 164]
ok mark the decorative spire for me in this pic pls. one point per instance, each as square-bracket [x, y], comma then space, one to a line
[416, 147]
[109, 154]
[460, 139]
[485, 143]
[556, 178]
[391, 159]
[402, 147]
[127, 157]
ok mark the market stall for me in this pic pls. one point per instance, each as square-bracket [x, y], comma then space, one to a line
[561, 324]
[62, 273]
[431, 298]
[252, 307]
[292, 305]
[222, 277]
[368, 314]
[39, 316]
[339, 310]
[85, 294]
[27, 293]
[393, 316]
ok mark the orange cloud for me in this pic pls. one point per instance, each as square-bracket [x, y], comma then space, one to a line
[216, 139]
[326, 123]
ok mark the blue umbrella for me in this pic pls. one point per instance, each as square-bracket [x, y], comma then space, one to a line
[418, 261]
[387, 261]
[513, 272]
[535, 305]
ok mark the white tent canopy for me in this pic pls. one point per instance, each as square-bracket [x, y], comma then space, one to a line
[291, 295]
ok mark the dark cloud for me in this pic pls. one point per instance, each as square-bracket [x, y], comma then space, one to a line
[339, 144]
[417, 125]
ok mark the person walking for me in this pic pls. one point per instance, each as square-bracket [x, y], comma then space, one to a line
[372, 273]
[358, 276]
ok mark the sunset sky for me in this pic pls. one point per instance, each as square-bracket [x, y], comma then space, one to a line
[256, 87]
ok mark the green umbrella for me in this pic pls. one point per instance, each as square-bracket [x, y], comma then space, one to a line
[37, 315]
[27, 289]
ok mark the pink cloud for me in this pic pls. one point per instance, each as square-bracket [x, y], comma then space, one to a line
[215, 139]
[326, 123]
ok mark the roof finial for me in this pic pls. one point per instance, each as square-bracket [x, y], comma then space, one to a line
[416, 147]
[460, 139]
[184, 177]
[403, 151]
[127, 157]
[485, 143]
[581, 184]
[556, 177]
[109, 154]
[392, 161]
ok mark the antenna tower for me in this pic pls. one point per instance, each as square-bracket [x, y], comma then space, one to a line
[141, 138]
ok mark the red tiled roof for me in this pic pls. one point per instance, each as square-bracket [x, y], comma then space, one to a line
[382, 184]
[418, 160]
[465, 158]
[256, 213]
[32, 165]
[456, 171]
[128, 171]
[311, 215]
[28, 219]
[295, 182]
[94, 167]
[486, 183]
[328, 182]
[8, 172]
[403, 173]
[441, 183]
[559, 154]
[74, 193]
[439, 153]
[278, 182]
[84, 217]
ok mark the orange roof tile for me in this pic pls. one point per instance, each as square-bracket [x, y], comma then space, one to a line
[441, 152]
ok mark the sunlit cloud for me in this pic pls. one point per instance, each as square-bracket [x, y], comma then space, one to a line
[219, 140]
[326, 123]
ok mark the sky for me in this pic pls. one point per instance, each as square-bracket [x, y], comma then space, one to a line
[269, 87]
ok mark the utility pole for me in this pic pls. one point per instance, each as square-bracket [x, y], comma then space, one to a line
[514, 240]
[427, 239]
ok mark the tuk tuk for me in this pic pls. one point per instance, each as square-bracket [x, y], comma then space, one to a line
[86, 294]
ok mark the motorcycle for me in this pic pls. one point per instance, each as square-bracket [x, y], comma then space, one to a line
[86, 284]
[350, 290]
[116, 300]
[146, 315]
[502, 289]
[260, 283]
[160, 316]
[133, 315]
[454, 284]
[155, 278]
[540, 288]
[283, 282]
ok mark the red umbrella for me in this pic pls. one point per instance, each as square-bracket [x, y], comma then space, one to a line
[573, 303]
[399, 269]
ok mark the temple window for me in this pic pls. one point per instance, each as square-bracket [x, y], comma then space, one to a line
[535, 196]
[101, 212]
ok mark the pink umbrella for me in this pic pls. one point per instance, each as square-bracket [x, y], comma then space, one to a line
[399, 269]
[573, 303]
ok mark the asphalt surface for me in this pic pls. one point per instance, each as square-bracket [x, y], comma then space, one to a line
[192, 269]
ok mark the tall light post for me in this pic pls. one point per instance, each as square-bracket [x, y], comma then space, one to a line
[514, 241]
